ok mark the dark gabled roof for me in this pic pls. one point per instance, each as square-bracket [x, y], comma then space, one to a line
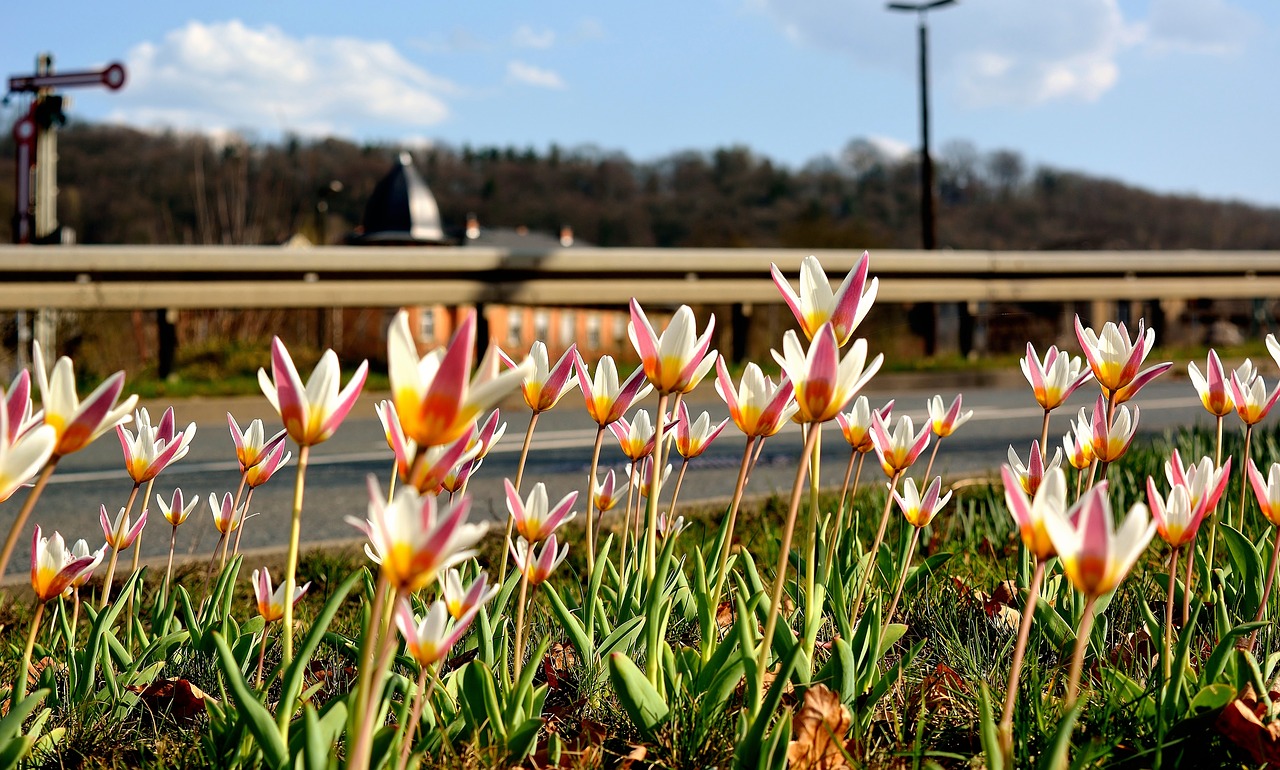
[401, 209]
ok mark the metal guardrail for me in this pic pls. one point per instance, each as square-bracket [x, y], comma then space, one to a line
[133, 277]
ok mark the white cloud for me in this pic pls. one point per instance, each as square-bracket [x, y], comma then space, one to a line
[894, 149]
[1212, 27]
[529, 75]
[994, 52]
[227, 75]
[528, 37]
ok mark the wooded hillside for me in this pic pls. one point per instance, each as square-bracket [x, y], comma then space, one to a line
[120, 185]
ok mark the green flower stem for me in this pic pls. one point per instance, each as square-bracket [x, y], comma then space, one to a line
[20, 684]
[1019, 653]
[415, 714]
[1168, 617]
[902, 577]
[1213, 532]
[810, 559]
[875, 548]
[291, 566]
[524, 456]
[655, 484]
[591, 500]
[115, 552]
[1244, 476]
[518, 652]
[385, 641]
[1266, 592]
[775, 602]
[1077, 659]
[722, 561]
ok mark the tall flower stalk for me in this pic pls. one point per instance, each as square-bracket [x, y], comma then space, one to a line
[310, 413]
[919, 512]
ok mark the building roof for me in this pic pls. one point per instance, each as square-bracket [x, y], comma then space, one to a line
[401, 209]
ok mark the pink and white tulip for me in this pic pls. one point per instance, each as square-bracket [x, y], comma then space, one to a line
[78, 423]
[544, 385]
[824, 382]
[607, 400]
[535, 518]
[678, 359]
[1095, 554]
[816, 304]
[1116, 360]
[757, 406]
[271, 601]
[1054, 379]
[312, 412]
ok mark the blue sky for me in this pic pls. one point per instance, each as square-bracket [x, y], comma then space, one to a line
[1173, 95]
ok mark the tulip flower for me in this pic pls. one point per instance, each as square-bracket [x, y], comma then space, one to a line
[75, 424]
[1115, 359]
[534, 566]
[544, 385]
[271, 604]
[1212, 385]
[462, 602]
[901, 448]
[53, 566]
[120, 533]
[816, 304]
[1176, 518]
[426, 469]
[1054, 379]
[1030, 514]
[455, 481]
[824, 382]
[1048, 500]
[1079, 450]
[1267, 492]
[311, 413]
[919, 511]
[855, 425]
[1109, 442]
[606, 400]
[53, 570]
[1273, 347]
[897, 451]
[22, 456]
[78, 423]
[535, 518]
[175, 511]
[17, 408]
[1204, 482]
[641, 473]
[488, 434]
[1096, 557]
[271, 601]
[80, 550]
[758, 407]
[436, 396]
[154, 447]
[275, 459]
[534, 569]
[1250, 398]
[1252, 405]
[605, 492]
[677, 360]
[412, 540]
[693, 438]
[636, 439]
[945, 420]
[224, 513]
[430, 640]
[670, 527]
[252, 446]
[1032, 474]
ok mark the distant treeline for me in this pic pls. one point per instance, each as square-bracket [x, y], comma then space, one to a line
[120, 185]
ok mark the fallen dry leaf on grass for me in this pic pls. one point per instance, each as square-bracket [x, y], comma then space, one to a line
[820, 726]
[1240, 721]
[178, 698]
[938, 689]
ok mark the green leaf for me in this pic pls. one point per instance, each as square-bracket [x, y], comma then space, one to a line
[1212, 698]
[481, 696]
[255, 714]
[623, 635]
[640, 699]
[1052, 626]
[1213, 667]
[291, 685]
[987, 731]
[578, 636]
[1056, 757]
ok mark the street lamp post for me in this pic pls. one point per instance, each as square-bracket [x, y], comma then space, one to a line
[928, 236]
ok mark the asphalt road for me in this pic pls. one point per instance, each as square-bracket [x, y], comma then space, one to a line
[1004, 414]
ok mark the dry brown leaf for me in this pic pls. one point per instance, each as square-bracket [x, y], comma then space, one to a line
[938, 690]
[819, 729]
[1006, 619]
[726, 614]
[176, 697]
[1241, 722]
[38, 666]
[637, 754]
